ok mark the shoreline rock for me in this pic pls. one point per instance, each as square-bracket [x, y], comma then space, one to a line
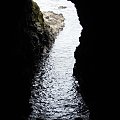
[53, 22]
[43, 29]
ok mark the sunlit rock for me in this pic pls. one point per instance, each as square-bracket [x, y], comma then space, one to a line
[55, 21]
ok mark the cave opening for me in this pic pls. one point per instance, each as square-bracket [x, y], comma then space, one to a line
[18, 57]
[55, 91]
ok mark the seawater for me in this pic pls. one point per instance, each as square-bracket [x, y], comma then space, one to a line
[54, 94]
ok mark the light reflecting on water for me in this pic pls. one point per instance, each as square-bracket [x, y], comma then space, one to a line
[55, 93]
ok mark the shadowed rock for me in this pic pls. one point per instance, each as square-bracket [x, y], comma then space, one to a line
[90, 55]
[78, 119]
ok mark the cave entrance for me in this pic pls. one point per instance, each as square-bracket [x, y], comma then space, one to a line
[55, 93]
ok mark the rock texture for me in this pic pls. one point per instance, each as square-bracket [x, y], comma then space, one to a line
[24, 37]
[91, 62]
[43, 29]
[91, 68]
[54, 21]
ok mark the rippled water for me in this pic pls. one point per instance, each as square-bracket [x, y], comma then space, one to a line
[55, 93]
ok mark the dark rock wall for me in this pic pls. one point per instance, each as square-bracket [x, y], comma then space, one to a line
[20, 40]
[96, 60]
[18, 57]
[86, 66]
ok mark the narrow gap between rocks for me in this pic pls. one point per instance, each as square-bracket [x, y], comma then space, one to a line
[55, 92]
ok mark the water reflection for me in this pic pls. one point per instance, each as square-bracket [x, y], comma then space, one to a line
[55, 93]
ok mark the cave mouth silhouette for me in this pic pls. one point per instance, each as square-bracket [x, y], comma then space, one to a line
[55, 93]
[16, 62]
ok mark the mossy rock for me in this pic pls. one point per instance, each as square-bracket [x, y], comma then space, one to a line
[37, 15]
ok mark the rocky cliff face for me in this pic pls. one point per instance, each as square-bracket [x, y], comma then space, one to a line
[39, 32]
[18, 56]
[87, 55]
[25, 37]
